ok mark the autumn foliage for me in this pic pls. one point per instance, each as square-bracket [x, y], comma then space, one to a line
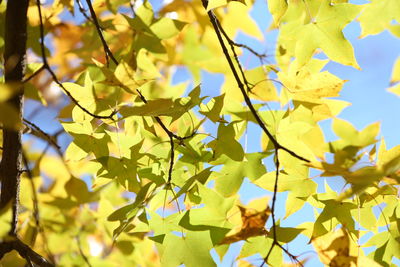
[130, 157]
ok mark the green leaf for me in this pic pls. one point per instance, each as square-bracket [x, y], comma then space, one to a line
[389, 160]
[351, 137]
[213, 112]
[130, 210]
[287, 234]
[166, 28]
[261, 245]
[226, 143]
[164, 107]
[334, 212]
[215, 212]
[233, 173]
[190, 250]
[85, 141]
[157, 107]
[124, 76]
[201, 177]
[387, 244]
[77, 189]
[124, 169]
[87, 97]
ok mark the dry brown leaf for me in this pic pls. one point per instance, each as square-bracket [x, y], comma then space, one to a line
[253, 224]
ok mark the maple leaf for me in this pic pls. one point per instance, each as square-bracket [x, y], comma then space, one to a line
[253, 224]
[388, 11]
[323, 30]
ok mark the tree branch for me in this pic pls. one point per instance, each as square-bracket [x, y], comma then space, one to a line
[107, 50]
[214, 21]
[41, 134]
[10, 166]
[83, 11]
[170, 134]
[14, 65]
[36, 212]
[23, 250]
[275, 239]
[54, 76]
[277, 146]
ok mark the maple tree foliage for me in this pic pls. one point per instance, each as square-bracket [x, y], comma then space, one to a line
[154, 168]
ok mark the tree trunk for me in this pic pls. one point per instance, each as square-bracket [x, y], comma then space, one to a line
[14, 65]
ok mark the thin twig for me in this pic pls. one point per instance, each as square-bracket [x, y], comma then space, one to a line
[53, 75]
[45, 135]
[275, 241]
[36, 212]
[34, 194]
[170, 134]
[232, 45]
[85, 258]
[231, 42]
[277, 146]
[172, 158]
[214, 22]
[132, 4]
[83, 11]
[39, 70]
[107, 50]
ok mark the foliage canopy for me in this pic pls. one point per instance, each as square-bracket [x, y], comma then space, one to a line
[155, 166]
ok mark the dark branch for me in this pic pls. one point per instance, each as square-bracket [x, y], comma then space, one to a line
[108, 53]
[27, 79]
[107, 50]
[172, 158]
[83, 11]
[10, 166]
[24, 251]
[241, 85]
[14, 64]
[231, 42]
[40, 133]
[36, 212]
[275, 241]
[85, 258]
[53, 75]
[277, 146]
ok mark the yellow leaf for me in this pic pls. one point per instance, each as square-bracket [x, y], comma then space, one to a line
[338, 249]
[125, 76]
[378, 16]
[395, 89]
[217, 3]
[396, 71]
[332, 247]
[263, 88]
[323, 29]
[278, 9]
[246, 24]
